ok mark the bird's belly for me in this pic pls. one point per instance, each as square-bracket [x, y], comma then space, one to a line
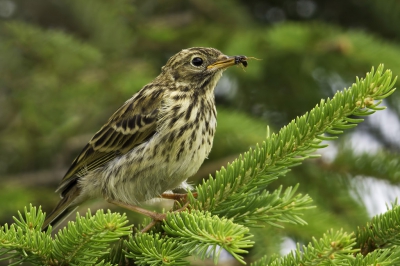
[156, 166]
[192, 158]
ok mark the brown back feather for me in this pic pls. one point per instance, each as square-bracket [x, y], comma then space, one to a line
[132, 124]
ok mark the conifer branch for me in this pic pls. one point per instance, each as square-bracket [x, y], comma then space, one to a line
[116, 254]
[23, 241]
[271, 208]
[152, 249]
[382, 232]
[250, 174]
[81, 242]
[389, 256]
[95, 234]
[194, 233]
[332, 249]
[206, 235]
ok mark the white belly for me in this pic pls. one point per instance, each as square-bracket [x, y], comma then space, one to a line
[158, 165]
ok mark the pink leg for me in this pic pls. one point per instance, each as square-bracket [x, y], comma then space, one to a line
[177, 196]
[157, 217]
[153, 215]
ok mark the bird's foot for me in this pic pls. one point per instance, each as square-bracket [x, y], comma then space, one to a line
[180, 197]
[153, 215]
[162, 216]
[156, 217]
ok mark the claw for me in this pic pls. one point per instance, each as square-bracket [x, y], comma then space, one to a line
[178, 196]
[156, 217]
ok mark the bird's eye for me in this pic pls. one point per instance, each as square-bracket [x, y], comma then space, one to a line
[197, 61]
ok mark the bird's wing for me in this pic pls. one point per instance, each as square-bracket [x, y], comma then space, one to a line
[131, 125]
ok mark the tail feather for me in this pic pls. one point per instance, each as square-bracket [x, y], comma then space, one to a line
[63, 209]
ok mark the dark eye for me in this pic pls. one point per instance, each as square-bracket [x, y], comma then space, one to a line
[197, 61]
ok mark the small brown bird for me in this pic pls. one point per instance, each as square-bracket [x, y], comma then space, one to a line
[155, 141]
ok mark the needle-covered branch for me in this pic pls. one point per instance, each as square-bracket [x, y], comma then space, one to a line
[382, 232]
[233, 187]
[332, 249]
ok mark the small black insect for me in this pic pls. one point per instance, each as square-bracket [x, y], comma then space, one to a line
[241, 59]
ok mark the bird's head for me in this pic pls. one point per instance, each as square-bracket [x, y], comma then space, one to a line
[199, 66]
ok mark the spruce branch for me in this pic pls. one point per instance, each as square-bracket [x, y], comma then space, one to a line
[250, 174]
[152, 249]
[89, 237]
[23, 241]
[116, 256]
[382, 232]
[270, 208]
[82, 242]
[195, 233]
[332, 249]
[205, 235]
[389, 256]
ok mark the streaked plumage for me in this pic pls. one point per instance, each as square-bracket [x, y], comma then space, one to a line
[155, 141]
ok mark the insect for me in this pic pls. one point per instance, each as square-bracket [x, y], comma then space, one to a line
[242, 59]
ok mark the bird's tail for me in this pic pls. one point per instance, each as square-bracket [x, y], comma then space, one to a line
[63, 209]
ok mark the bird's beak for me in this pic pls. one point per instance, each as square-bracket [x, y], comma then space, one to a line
[225, 61]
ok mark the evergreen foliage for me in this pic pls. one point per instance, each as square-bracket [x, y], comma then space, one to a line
[236, 198]
[382, 232]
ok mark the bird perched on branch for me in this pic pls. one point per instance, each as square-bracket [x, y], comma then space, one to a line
[154, 141]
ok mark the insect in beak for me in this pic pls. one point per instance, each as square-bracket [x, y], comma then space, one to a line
[242, 60]
[227, 61]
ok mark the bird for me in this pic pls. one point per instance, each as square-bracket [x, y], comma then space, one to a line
[154, 142]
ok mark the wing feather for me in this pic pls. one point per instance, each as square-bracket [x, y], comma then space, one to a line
[132, 124]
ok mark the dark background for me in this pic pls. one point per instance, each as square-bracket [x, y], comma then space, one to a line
[66, 66]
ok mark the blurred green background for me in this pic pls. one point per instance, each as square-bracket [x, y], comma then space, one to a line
[66, 66]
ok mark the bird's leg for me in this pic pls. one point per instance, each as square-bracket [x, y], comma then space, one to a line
[148, 227]
[181, 197]
[153, 215]
[153, 223]
[156, 217]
